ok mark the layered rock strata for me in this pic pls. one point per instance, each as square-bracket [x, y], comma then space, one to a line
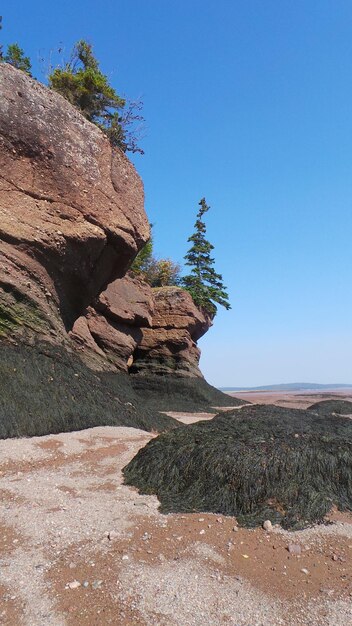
[169, 345]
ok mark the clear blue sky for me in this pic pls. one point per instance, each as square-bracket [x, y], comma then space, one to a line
[248, 103]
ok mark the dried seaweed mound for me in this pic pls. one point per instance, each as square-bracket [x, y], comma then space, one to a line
[256, 463]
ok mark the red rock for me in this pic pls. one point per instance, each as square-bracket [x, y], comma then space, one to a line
[169, 346]
[71, 209]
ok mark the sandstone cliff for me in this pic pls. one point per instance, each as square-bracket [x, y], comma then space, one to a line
[71, 221]
[71, 209]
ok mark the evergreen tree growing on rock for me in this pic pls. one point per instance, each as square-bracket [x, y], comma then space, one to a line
[83, 84]
[203, 283]
[15, 56]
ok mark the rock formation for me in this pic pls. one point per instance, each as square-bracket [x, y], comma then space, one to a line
[107, 334]
[169, 346]
[71, 209]
[71, 221]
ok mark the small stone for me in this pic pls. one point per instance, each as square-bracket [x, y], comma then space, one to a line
[267, 525]
[328, 592]
[146, 537]
[112, 534]
[74, 584]
[97, 584]
[335, 557]
[294, 548]
[202, 532]
[201, 519]
[235, 529]
[125, 557]
[86, 584]
[245, 556]
[304, 570]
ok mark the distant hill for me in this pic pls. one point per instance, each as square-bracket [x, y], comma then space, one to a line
[289, 387]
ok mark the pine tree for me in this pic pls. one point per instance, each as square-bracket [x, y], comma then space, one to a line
[15, 56]
[203, 283]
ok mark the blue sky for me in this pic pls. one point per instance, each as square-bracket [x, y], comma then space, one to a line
[247, 103]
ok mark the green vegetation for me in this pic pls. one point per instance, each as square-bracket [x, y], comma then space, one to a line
[15, 56]
[203, 283]
[83, 84]
[156, 272]
[256, 463]
[17, 311]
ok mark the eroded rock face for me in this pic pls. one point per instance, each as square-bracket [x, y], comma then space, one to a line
[71, 221]
[107, 335]
[169, 346]
[71, 210]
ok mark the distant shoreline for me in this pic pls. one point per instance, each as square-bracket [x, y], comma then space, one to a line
[277, 392]
[288, 388]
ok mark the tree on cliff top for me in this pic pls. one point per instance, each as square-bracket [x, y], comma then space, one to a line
[83, 84]
[15, 56]
[203, 283]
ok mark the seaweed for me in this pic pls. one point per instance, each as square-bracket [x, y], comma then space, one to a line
[256, 463]
[46, 390]
[176, 393]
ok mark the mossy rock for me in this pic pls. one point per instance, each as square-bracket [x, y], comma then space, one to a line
[256, 463]
[17, 311]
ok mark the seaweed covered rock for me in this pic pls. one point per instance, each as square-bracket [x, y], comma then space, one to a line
[176, 393]
[326, 407]
[45, 389]
[257, 463]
